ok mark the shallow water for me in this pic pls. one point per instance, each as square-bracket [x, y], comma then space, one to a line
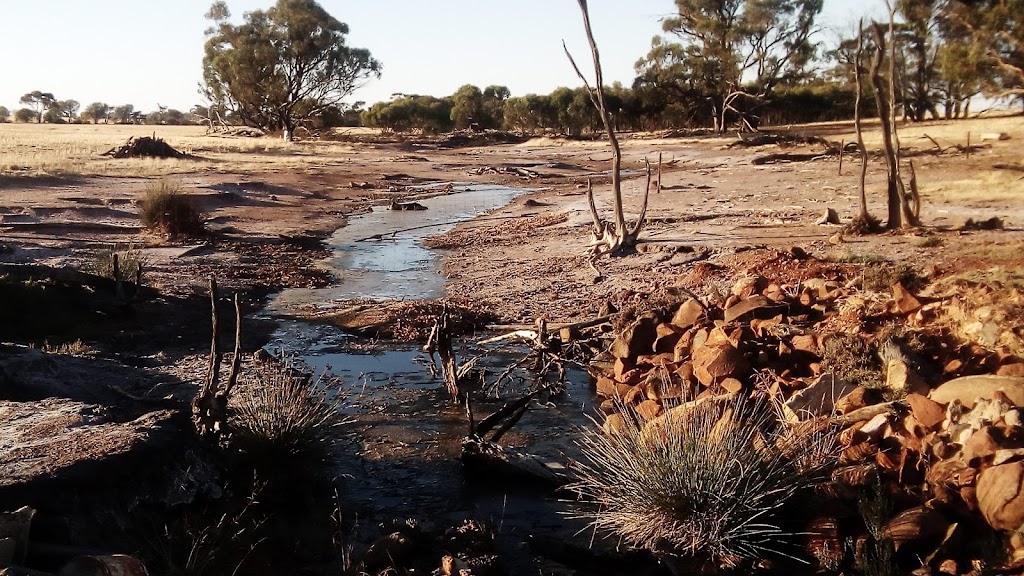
[396, 266]
[402, 458]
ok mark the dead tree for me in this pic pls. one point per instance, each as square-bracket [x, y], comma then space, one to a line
[899, 209]
[608, 237]
[865, 216]
[210, 406]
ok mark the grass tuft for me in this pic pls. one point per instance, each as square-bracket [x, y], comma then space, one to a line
[279, 414]
[130, 260]
[166, 209]
[711, 481]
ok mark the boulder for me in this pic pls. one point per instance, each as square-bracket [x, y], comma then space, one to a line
[668, 337]
[715, 362]
[1000, 497]
[969, 389]
[638, 338]
[906, 302]
[746, 307]
[747, 287]
[688, 314]
[928, 413]
[818, 399]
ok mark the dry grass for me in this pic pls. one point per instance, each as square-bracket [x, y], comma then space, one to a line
[33, 150]
[712, 481]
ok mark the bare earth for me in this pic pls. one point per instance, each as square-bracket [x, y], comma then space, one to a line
[718, 216]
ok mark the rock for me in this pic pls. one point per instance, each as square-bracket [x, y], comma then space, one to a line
[668, 337]
[747, 287]
[855, 400]
[1016, 370]
[929, 413]
[980, 446]
[638, 338]
[649, 410]
[731, 385]
[681, 352]
[900, 378]
[622, 367]
[914, 525]
[688, 314]
[745, 307]
[805, 343]
[829, 217]
[717, 361]
[875, 427]
[818, 399]
[906, 302]
[14, 531]
[969, 389]
[1000, 497]
[774, 293]
[614, 424]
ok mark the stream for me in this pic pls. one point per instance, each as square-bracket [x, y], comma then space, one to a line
[407, 431]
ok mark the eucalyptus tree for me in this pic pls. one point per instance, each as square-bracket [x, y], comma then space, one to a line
[281, 66]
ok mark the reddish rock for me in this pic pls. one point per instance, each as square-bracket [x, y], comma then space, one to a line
[901, 378]
[747, 287]
[649, 410]
[634, 396]
[1016, 370]
[688, 314]
[774, 293]
[622, 367]
[668, 336]
[744, 308]
[981, 446]
[614, 424]
[969, 389]
[906, 302]
[928, 413]
[713, 363]
[638, 338]
[805, 343]
[1001, 497]
[731, 385]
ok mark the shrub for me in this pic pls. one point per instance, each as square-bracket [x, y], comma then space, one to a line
[165, 208]
[279, 414]
[130, 260]
[710, 481]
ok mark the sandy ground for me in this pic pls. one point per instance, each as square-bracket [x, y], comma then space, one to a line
[717, 216]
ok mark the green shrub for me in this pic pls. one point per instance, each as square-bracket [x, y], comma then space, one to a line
[711, 481]
[279, 414]
[165, 208]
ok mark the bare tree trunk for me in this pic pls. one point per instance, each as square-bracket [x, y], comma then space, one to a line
[907, 216]
[607, 238]
[858, 123]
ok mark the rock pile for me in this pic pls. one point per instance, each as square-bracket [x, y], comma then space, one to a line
[940, 428]
[144, 147]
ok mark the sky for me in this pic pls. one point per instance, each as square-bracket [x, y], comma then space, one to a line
[149, 52]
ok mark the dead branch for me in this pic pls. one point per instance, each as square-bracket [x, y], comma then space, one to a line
[209, 407]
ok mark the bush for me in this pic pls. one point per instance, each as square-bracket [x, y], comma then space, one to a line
[165, 208]
[130, 261]
[710, 481]
[280, 415]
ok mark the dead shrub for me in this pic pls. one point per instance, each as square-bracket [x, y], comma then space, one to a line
[279, 414]
[165, 208]
[712, 481]
[130, 260]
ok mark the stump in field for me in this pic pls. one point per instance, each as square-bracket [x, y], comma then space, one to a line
[144, 147]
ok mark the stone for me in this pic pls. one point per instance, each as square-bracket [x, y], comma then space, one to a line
[829, 217]
[1016, 370]
[747, 287]
[746, 307]
[915, 524]
[969, 389]
[805, 343]
[614, 424]
[688, 314]
[899, 377]
[987, 136]
[1000, 497]
[982, 445]
[906, 302]
[818, 399]
[649, 410]
[928, 413]
[668, 337]
[731, 385]
[715, 362]
[638, 338]
[622, 367]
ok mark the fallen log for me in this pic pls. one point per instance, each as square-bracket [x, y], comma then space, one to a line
[1013, 167]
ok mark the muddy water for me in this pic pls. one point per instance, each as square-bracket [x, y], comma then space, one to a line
[402, 456]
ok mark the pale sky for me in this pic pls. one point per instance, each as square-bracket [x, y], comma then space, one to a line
[145, 52]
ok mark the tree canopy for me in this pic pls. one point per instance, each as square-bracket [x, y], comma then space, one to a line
[282, 66]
